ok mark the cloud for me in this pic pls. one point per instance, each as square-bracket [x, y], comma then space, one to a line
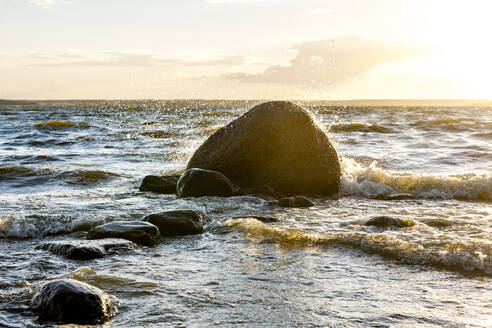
[122, 59]
[332, 62]
[43, 3]
[318, 11]
[47, 3]
[238, 1]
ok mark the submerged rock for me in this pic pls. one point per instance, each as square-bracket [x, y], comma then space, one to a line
[296, 201]
[264, 219]
[389, 221]
[143, 233]
[86, 249]
[275, 144]
[400, 196]
[177, 222]
[160, 184]
[197, 182]
[70, 301]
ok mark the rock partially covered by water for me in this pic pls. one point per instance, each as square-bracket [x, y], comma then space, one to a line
[87, 249]
[165, 184]
[264, 219]
[177, 222]
[296, 201]
[69, 301]
[142, 233]
[399, 196]
[389, 221]
[197, 182]
[275, 144]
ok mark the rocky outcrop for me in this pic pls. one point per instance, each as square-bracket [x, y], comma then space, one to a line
[197, 182]
[70, 301]
[275, 144]
[388, 222]
[142, 233]
[165, 184]
[296, 201]
[87, 249]
[177, 222]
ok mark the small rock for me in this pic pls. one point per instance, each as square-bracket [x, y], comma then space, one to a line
[388, 221]
[160, 184]
[142, 233]
[69, 301]
[197, 182]
[177, 222]
[400, 196]
[264, 219]
[439, 223]
[296, 201]
[86, 249]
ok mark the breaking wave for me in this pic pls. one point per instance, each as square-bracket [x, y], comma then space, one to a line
[374, 182]
[452, 255]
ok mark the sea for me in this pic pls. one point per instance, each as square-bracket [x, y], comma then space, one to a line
[68, 166]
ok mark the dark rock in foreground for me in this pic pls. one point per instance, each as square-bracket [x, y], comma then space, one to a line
[388, 221]
[177, 222]
[160, 184]
[296, 201]
[275, 144]
[197, 182]
[143, 233]
[70, 301]
[86, 249]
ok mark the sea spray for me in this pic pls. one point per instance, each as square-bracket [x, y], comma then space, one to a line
[373, 182]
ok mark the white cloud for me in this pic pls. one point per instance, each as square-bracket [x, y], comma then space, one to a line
[332, 62]
[238, 1]
[318, 11]
[43, 3]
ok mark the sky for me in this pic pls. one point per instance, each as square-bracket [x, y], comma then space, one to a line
[245, 49]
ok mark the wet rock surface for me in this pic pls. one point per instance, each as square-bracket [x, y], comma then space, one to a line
[165, 184]
[142, 233]
[197, 182]
[276, 144]
[264, 219]
[177, 222]
[69, 301]
[388, 222]
[296, 201]
[87, 249]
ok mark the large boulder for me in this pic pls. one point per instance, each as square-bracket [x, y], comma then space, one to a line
[165, 184]
[276, 144]
[197, 182]
[177, 222]
[69, 301]
[143, 233]
[86, 249]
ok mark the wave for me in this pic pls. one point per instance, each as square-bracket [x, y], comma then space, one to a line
[449, 124]
[60, 124]
[456, 256]
[19, 174]
[374, 182]
[161, 134]
[34, 226]
[358, 127]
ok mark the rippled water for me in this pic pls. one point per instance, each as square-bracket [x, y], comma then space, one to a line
[66, 167]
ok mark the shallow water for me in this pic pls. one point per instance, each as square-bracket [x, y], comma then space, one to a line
[65, 168]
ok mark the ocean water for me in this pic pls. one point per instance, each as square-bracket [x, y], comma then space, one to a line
[66, 167]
